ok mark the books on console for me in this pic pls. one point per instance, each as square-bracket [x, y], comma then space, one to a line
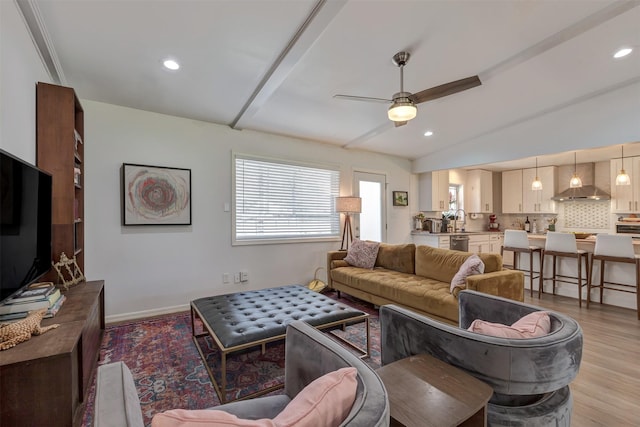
[16, 305]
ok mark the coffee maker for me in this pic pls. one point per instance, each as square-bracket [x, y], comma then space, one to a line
[493, 225]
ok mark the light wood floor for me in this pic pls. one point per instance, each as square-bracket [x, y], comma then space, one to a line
[606, 391]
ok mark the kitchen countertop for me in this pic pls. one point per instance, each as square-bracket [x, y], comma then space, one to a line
[460, 233]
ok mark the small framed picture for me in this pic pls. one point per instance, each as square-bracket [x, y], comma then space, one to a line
[400, 198]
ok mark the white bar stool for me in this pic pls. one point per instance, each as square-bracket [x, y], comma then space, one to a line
[517, 241]
[563, 245]
[613, 248]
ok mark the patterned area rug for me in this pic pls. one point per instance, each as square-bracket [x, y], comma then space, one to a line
[169, 372]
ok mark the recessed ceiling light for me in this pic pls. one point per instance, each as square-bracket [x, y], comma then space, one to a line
[622, 52]
[171, 64]
[428, 133]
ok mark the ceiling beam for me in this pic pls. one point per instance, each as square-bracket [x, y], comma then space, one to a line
[320, 17]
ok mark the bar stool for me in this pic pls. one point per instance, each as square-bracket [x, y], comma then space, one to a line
[517, 241]
[563, 245]
[612, 248]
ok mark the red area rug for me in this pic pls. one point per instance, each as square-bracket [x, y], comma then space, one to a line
[169, 372]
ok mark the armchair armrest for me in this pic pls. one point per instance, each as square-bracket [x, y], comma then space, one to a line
[504, 283]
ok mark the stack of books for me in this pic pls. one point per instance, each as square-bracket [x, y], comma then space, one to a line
[32, 298]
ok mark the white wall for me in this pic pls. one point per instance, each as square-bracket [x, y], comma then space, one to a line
[20, 70]
[147, 269]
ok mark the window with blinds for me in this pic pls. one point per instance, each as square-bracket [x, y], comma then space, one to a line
[283, 201]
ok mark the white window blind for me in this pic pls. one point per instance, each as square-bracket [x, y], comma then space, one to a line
[278, 200]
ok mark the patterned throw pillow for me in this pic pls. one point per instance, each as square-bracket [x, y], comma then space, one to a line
[473, 265]
[536, 324]
[362, 254]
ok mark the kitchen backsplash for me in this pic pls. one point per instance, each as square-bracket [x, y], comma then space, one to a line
[588, 215]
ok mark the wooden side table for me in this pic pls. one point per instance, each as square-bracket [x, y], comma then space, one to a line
[425, 391]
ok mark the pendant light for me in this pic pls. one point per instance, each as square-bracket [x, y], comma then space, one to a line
[536, 185]
[575, 182]
[623, 176]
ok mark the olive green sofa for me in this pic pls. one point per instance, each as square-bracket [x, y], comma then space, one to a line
[419, 278]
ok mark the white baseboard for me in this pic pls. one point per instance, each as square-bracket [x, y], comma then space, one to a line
[146, 313]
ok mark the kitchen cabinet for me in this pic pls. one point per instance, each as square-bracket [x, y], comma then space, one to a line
[539, 201]
[433, 240]
[434, 191]
[624, 198]
[512, 191]
[495, 243]
[518, 197]
[479, 195]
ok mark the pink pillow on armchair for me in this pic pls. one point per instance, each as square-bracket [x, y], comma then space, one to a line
[536, 324]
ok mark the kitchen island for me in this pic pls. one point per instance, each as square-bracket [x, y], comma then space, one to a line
[615, 272]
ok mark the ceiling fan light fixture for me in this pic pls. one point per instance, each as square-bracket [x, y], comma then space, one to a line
[402, 110]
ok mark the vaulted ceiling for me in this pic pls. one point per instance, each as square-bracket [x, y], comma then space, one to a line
[275, 66]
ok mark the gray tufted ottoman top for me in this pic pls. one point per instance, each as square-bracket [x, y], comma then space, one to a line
[252, 316]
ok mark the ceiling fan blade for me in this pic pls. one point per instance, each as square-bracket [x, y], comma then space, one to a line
[398, 124]
[445, 89]
[362, 98]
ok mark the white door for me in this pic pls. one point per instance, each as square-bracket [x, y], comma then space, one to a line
[371, 223]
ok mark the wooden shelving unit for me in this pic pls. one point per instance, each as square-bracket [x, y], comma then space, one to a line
[60, 151]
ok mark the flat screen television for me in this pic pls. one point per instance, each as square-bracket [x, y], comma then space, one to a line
[25, 224]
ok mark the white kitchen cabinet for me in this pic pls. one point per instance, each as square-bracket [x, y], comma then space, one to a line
[539, 201]
[479, 191]
[518, 197]
[434, 191]
[495, 243]
[433, 240]
[479, 243]
[512, 191]
[625, 198]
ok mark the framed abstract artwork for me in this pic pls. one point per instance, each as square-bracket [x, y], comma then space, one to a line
[155, 195]
[400, 198]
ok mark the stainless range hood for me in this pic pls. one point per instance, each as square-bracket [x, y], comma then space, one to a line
[588, 191]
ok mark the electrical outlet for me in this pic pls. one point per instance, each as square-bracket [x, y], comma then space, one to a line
[236, 277]
[244, 276]
[225, 278]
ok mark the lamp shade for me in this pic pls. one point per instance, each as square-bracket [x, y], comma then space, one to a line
[349, 204]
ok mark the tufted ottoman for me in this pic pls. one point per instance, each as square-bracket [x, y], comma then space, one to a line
[246, 319]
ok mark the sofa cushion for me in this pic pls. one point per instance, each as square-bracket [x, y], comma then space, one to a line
[492, 262]
[397, 257]
[536, 324]
[422, 293]
[362, 253]
[439, 264]
[472, 265]
[326, 401]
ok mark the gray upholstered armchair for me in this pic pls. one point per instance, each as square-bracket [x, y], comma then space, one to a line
[309, 355]
[530, 377]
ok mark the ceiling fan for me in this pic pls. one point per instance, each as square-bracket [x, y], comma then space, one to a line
[403, 104]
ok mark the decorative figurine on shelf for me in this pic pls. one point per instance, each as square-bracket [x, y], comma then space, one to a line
[74, 273]
[13, 334]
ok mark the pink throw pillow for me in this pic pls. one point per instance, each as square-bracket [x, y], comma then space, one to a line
[324, 402]
[472, 265]
[362, 253]
[204, 417]
[536, 324]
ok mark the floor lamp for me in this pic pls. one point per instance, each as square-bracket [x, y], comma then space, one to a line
[347, 206]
